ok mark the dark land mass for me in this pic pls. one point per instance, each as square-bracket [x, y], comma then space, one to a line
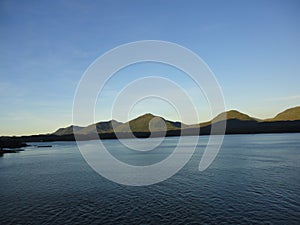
[11, 145]
[287, 121]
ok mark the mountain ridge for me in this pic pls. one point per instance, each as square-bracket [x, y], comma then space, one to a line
[149, 122]
[236, 123]
[287, 115]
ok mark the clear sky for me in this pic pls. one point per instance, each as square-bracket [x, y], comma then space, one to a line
[253, 48]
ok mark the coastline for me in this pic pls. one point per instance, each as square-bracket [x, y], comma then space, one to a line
[233, 126]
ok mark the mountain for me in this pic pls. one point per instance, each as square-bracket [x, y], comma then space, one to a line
[67, 130]
[236, 122]
[142, 124]
[287, 121]
[232, 114]
[102, 127]
[139, 124]
[229, 115]
[288, 115]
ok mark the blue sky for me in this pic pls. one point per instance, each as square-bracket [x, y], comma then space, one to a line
[251, 46]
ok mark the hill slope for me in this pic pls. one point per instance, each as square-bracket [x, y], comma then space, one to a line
[102, 127]
[229, 115]
[288, 115]
[67, 130]
[142, 124]
[233, 114]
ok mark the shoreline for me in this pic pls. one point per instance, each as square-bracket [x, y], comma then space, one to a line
[232, 127]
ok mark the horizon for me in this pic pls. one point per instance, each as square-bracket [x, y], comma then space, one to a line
[157, 115]
[252, 48]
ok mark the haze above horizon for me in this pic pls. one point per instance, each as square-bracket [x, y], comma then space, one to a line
[252, 47]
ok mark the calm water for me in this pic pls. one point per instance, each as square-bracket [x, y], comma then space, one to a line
[255, 179]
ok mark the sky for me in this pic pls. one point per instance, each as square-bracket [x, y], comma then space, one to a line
[252, 47]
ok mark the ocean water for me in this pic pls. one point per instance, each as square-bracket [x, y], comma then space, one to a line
[255, 179]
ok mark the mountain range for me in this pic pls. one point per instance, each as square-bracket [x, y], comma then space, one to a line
[235, 120]
[143, 126]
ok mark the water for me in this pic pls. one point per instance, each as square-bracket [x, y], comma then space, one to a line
[255, 179]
